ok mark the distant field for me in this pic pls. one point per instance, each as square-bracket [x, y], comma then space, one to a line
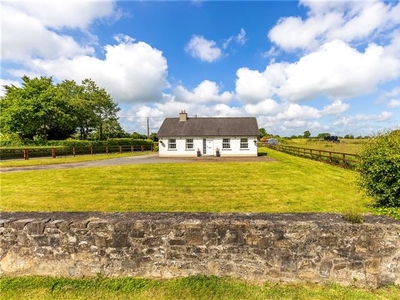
[346, 145]
[291, 184]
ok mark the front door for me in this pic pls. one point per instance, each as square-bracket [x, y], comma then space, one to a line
[209, 146]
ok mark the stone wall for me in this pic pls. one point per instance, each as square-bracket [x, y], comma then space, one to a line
[259, 247]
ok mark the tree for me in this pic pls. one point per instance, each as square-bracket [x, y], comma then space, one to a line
[379, 169]
[348, 136]
[138, 136]
[262, 132]
[306, 134]
[40, 109]
[103, 108]
[36, 110]
[153, 137]
[323, 134]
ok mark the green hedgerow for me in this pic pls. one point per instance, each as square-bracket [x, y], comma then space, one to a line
[380, 168]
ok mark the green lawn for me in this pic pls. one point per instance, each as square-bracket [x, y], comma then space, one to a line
[43, 161]
[290, 185]
[190, 288]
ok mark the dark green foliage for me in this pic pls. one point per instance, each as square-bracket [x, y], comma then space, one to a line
[42, 110]
[262, 132]
[380, 169]
[37, 110]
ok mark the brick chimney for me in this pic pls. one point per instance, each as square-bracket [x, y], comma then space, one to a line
[182, 116]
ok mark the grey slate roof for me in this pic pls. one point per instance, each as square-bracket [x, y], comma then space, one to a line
[197, 127]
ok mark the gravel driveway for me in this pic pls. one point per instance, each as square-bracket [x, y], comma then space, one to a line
[142, 159]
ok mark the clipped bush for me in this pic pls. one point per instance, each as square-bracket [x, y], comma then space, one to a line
[379, 168]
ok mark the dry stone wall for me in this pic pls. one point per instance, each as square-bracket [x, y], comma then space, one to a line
[259, 247]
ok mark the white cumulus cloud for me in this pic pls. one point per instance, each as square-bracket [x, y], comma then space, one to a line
[130, 72]
[25, 36]
[349, 21]
[206, 92]
[203, 49]
[394, 103]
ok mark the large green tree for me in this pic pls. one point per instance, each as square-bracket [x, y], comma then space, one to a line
[40, 109]
[104, 109]
[36, 110]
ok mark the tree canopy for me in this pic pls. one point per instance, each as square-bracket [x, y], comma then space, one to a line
[41, 109]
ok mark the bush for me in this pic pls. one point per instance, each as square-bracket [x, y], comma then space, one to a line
[380, 169]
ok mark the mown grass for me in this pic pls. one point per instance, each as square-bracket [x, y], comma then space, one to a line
[43, 161]
[189, 288]
[291, 184]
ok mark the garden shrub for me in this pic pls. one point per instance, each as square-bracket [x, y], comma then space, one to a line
[380, 169]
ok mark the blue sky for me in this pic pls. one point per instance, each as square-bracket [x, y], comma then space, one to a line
[322, 66]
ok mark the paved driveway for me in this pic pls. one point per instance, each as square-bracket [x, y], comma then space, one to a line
[142, 159]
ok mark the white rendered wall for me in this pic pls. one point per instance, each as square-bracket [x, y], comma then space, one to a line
[234, 150]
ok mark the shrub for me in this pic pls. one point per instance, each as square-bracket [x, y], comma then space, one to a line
[380, 169]
[353, 217]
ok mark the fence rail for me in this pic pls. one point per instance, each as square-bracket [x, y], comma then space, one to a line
[13, 153]
[344, 160]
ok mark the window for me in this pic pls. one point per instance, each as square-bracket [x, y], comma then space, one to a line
[189, 143]
[244, 143]
[226, 143]
[172, 144]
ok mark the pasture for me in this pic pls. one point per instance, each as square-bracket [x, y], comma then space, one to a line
[352, 146]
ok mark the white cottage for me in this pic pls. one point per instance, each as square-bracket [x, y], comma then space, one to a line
[190, 137]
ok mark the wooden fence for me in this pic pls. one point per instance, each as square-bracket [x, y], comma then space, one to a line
[345, 160]
[10, 153]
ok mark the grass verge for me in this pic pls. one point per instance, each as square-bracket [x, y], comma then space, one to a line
[189, 288]
[292, 184]
[65, 160]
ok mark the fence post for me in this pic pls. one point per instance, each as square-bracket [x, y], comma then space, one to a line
[106, 149]
[91, 150]
[120, 149]
[53, 152]
[141, 148]
[73, 151]
[151, 148]
[131, 148]
[26, 154]
[344, 160]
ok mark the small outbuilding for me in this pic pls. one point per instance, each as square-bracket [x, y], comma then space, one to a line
[208, 136]
[272, 141]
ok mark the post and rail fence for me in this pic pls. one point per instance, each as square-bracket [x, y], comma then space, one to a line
[344, 160]
[18, 153]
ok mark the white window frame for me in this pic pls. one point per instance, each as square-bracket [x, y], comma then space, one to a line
[226, 143]
[171, 144]
[244, 143]
[189, 144]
